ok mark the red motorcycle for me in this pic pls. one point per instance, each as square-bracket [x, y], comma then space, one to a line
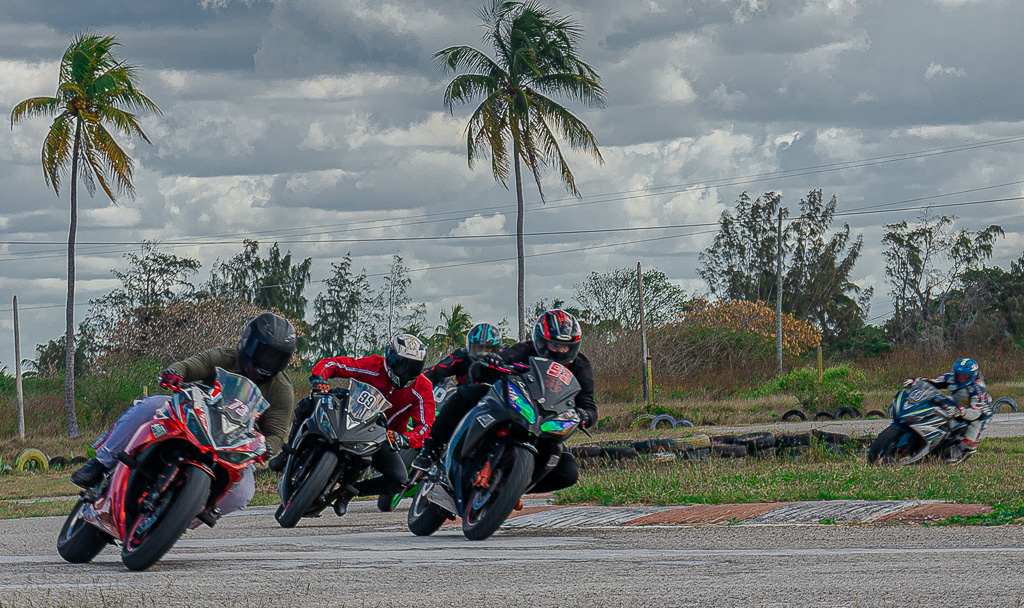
[176, 469]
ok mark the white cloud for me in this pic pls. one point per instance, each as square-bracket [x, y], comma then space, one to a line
[480, 225]
[937, 69]
[674, 87]
[111, 216]
[726, 100]
[317, 139]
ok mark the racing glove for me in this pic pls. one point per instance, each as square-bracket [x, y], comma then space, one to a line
[171, 379]
[587, 418]
[319, 385]
[398, 441]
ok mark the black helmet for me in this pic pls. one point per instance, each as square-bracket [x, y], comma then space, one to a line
[482, 339]
[556, 336]
[266, 346]
[403, 359]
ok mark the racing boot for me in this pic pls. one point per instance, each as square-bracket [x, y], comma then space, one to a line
[425, 460]
[90, 474]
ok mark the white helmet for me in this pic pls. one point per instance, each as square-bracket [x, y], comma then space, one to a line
[403, 359]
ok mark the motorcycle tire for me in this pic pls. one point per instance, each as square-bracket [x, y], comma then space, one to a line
[387, 503]
[306, 492]
[883, 448]
[483, 519]
[1007, 401]
[183, 507]
[425, 517]
[79, 541]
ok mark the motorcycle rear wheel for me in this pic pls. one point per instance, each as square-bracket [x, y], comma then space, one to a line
[424, 516]
[184, 505]
[885, 450]
[79, 541]
[488, 508]
[307, 491]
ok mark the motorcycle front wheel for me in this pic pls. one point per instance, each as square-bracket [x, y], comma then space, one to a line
[488, 507]
[306, 490]
[886, 449]
[79, 541]
[424, 516]
[153, 534]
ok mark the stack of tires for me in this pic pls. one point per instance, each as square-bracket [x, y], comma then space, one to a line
[680, 448]
[596, 454]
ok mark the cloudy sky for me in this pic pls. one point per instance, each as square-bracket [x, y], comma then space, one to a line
[319, 124]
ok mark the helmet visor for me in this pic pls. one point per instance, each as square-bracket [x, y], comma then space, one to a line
[477, 350]
[268, 360]
[404, 370]
[962, 379]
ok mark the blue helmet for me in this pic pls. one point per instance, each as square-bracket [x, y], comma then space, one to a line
[965, 371]
[483, 338]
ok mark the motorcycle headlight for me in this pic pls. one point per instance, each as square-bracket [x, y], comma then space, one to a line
[561, 424]
[521, 403]
[236, 457]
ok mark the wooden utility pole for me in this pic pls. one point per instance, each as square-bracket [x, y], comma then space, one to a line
[778, 300]
[645, 355]
[17, 373]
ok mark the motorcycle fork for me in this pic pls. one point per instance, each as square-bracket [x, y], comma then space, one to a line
[486, 472]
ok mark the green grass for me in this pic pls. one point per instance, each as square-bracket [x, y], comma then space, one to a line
[994, 476]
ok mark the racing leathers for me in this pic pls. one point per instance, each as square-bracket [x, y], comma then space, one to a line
[456, 364]
[413, 404]
[973, 402]
[458, 405]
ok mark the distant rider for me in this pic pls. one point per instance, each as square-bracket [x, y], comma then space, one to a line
[263, 352]
[970, 398]
[556, 336]
[397, 375]
[482, 339]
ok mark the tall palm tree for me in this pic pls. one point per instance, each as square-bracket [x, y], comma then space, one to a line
[94, 89]
[451, 333]
[536, 57]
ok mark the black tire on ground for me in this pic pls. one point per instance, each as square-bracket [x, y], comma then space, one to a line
[723, 439]
[729, 451]
[188, 502]
[847, 412]
[824, 416]
[309, 489]
[618, 453]
[757, 441]
[793, 440]
[585, 451]
[883, 450]
[708, 423]
[1000, 402]
[830, 437]
[58, 461]
[480, 524]
[876, 414]
[794, 415]
[424, 516]
[681, 423]
[764, 453]
[386, 503]
[663, 419]
[78, 460]
[79, 541]
[695, 454]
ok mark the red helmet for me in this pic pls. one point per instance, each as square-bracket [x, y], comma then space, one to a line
[556, 336]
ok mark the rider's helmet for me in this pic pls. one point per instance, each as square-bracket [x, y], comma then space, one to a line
[556, 336]
[266, 346]
[403, 359]
[482, 339]
[965, 371]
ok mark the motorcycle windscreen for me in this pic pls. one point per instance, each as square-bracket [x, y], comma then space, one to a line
[233, 405]
[365, 401]
[550, 384]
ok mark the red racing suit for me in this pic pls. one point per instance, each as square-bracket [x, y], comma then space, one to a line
[415, 402]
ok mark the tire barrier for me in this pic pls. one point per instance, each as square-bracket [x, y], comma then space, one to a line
[663, 419]
[1004, 401]
[761, 445]
[78, 460]
[824, 416]
[31, 458]
[875, 414]
[846, 412]
[794, 415]
[58, 461]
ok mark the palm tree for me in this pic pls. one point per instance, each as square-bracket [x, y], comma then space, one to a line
[95, 88]
[536, 58]
[451, 333]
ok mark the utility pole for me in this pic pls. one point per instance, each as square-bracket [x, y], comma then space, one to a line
[645, 355]
[17, 373]
[778, 299]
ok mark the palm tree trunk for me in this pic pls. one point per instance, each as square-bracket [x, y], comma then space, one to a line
[519, 242]
[69, 330]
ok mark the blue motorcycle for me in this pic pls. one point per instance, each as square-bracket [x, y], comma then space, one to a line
[922, 426]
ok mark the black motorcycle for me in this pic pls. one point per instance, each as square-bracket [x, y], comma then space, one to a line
[506, 444]
[333, 449]
[920, 428]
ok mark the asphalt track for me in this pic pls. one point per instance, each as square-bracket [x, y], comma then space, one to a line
[791, 554]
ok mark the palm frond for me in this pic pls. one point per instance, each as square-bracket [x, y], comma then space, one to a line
[568, 126]
[56, 154]
[125, 122]
[108, 161]
[465, 58]
[466, 87]
[553, 152]
[573, 86]
[35, 106]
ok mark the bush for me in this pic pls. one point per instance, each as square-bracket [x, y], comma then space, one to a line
[838, 388]
[102, 397]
